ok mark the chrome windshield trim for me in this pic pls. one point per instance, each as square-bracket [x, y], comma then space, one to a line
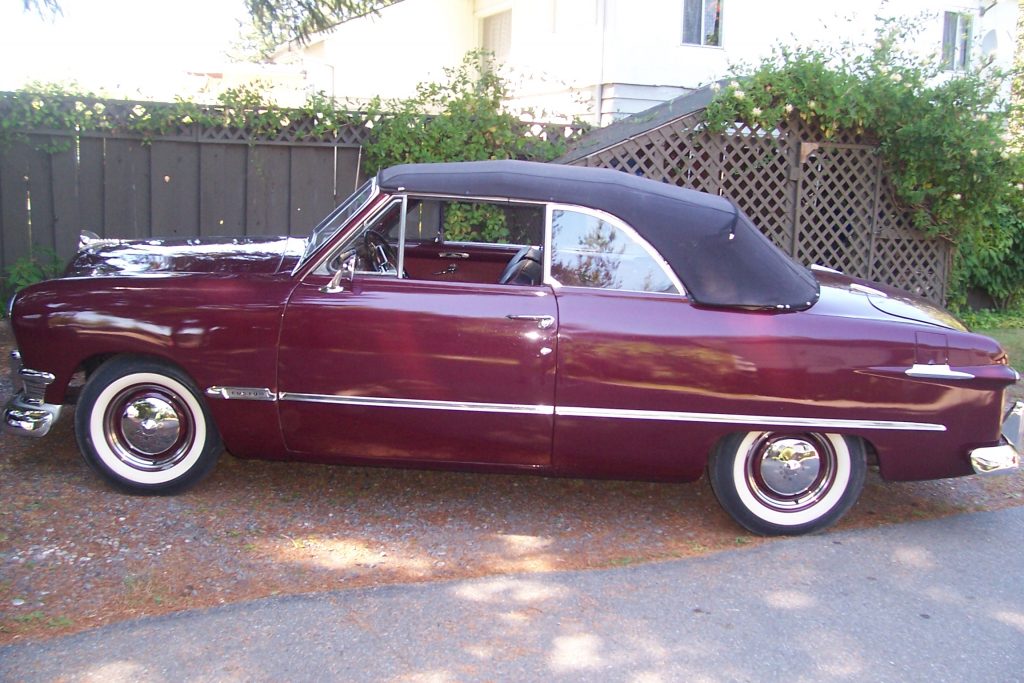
[937, 372]
[378, 211]
[724, 418]
[242, 393]
[464, 406]
[622, 414]
[307, 258]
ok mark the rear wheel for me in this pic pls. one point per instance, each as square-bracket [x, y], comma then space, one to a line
[776, 483]
[142, 425]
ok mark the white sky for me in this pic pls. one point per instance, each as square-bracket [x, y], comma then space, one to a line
[118, 47]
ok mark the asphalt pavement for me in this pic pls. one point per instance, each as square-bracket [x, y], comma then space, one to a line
[940, 600]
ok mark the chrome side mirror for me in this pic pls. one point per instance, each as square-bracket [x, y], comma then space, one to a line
[345, 273]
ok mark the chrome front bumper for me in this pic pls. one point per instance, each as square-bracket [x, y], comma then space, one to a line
[1004, 458]
[26, 413]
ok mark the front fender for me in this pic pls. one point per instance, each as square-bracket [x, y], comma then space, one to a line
[221, 330]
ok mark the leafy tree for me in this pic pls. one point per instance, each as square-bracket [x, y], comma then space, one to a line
[1017, 87]
[281, 21]
[47, 9]
[274, 22]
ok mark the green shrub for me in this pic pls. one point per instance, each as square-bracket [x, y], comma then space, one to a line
[460, 118]
[42, 264]
[941, 136]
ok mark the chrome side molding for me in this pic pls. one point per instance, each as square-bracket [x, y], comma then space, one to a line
[420, 404]
[242, 393]
[810, 423]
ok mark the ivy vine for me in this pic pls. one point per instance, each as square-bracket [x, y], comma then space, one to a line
[65, 109]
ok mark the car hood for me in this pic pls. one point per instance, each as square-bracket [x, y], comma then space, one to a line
[854, 297]
[195, 255]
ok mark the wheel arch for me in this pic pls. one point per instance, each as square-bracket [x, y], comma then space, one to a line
[89, 364]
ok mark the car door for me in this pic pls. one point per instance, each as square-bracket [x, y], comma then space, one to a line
[399, 369]
[625, 354]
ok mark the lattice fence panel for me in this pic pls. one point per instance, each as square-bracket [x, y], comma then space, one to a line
[836, 212]
[749, 166]
[755, 175]
[916, 265]
[905, 257]
[831, 206]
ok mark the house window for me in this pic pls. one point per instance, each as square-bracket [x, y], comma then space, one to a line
[702, 22]
[497, 35]
[956, 41]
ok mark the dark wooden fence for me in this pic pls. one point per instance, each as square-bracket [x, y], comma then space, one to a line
[194, 181]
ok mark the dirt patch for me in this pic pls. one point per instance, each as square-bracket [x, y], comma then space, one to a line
[76, 554]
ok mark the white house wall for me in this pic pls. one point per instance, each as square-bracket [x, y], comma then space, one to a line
[627, 54]
[388, 54]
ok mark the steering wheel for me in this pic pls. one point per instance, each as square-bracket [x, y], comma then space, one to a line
[381, 254]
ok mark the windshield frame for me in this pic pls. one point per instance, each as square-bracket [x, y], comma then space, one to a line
[336, 220]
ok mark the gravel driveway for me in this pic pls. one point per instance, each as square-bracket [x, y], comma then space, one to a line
[75, 554]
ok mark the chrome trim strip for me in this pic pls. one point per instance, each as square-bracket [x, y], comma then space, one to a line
[864, 289]
[323, 249]
[570, 411]
[242, 393]
[936, 372]
[721, 418]
[464, 406]
[400, 266]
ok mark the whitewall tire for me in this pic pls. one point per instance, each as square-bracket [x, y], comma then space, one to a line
[142, 424]
[782, 483]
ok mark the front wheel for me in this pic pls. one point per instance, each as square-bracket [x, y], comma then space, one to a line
[142, 425]
[781, 483]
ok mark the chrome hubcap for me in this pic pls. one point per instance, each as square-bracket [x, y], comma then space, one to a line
[790, 466]
[149, 428]
[790, 472]
[150, 425]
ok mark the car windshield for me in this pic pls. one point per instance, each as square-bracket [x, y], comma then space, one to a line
[329, 226]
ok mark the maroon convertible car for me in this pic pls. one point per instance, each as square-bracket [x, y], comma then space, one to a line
[514, 317]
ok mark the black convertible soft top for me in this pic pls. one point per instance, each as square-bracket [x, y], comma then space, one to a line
[714, 249]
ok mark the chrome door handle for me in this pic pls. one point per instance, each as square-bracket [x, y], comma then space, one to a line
[453, 254]
[543, 321]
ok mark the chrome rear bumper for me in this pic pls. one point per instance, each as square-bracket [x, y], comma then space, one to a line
[26, 413]
[1005, 457]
